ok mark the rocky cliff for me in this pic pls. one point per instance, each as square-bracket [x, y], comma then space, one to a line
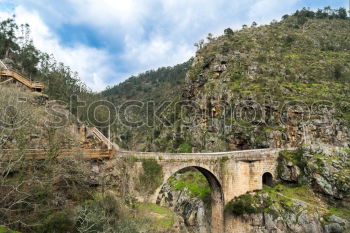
[312, 197]
[278, 85]
[195, 213]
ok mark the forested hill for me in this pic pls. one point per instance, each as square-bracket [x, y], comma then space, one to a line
[303, 58]
[19, 53]
[300, 63]
[162, 84]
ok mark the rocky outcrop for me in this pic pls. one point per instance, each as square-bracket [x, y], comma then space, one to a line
[288, 222]
[288, 171]
[222, 119]
[192, 210]
[313, 197]
[325, 168]
[270, 214]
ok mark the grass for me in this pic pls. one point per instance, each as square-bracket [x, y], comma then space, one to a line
[302, 193]
[161, 217]
[6, 230]
[340, 211]
[281, 193]
[280, 198]
[194, 182]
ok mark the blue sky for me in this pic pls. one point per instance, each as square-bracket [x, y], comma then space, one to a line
[107, 41]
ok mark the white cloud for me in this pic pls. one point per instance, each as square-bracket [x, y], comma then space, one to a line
[106, 11]
[266, 10]
[156, 52]
[148, 33]
[92, 65]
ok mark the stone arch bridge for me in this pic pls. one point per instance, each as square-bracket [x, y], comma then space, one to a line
[229, 174]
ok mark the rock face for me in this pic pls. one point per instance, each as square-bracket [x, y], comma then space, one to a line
[192, 210]
[288, 171]
[284, 214]
[289, 223]
[241, 96]
[325, 168]
[223, 119]
[314, 196]
[266, 223]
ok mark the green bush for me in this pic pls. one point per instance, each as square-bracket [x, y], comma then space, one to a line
[245, 204]
[152, 175]
[185, 148]
[99, 215]
[296, 157]
[59, 222]
[126, 226]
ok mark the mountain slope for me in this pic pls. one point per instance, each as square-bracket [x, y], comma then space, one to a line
[283, 84]
[158, 86]
[162, 83]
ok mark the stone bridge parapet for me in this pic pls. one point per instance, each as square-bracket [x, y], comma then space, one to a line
[244, 155]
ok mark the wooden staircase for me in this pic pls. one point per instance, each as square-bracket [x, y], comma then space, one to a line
[34, 86]
[99, 135]
[8, 73]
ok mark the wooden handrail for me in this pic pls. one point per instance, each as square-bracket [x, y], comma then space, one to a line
[101, 136]
[6, 154]
[22, 79]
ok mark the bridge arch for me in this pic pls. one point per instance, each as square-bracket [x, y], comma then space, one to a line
[217, 194]
[267, 179]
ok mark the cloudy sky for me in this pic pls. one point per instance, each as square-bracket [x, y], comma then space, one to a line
[106, 41]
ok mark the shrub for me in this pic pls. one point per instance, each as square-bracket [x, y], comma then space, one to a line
[243, 205]
[126, 226]
[59, 222]
[228, 32]
[296, 157]
[289, 40]
[100, 215]
[337, 71]
[152, 175]
[185, 148]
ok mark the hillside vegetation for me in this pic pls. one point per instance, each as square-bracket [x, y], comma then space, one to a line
[262, 86]
[149, 90]
[157, 85]
[18, 52]
[302, 61]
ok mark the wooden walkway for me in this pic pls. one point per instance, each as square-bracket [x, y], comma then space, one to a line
[33, 154]
[34, 86]
[14, 75]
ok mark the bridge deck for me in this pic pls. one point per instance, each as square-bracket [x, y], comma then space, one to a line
[243, 155]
